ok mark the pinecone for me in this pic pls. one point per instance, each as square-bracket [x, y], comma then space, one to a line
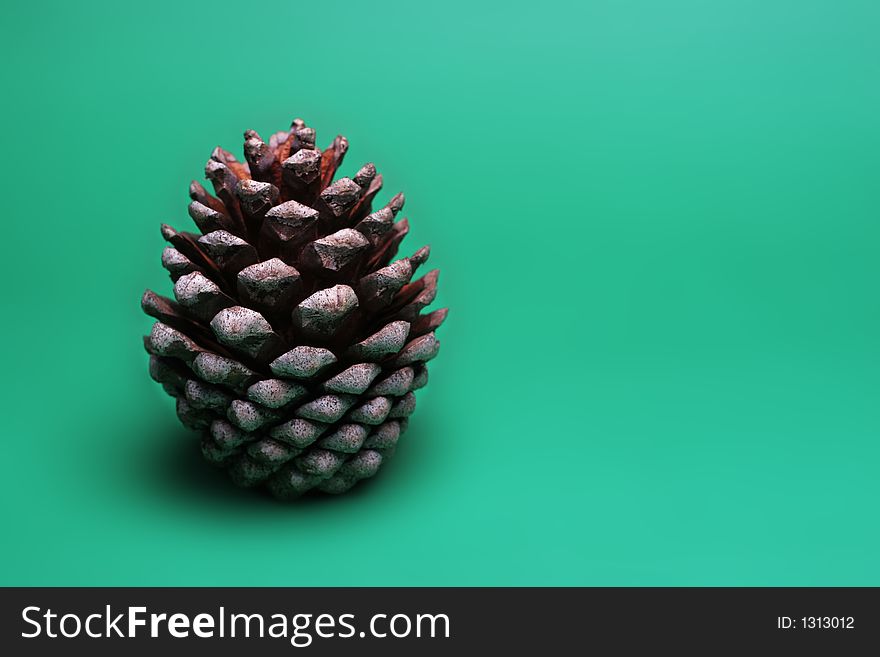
[295, 343]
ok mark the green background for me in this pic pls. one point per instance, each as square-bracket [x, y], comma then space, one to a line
[658, 231]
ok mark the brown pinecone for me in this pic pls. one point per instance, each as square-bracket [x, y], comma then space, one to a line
[295, 343]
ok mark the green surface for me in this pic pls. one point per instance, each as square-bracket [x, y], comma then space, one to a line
[658, 230]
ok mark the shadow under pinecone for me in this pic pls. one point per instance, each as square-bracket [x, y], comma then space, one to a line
[177, 465]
